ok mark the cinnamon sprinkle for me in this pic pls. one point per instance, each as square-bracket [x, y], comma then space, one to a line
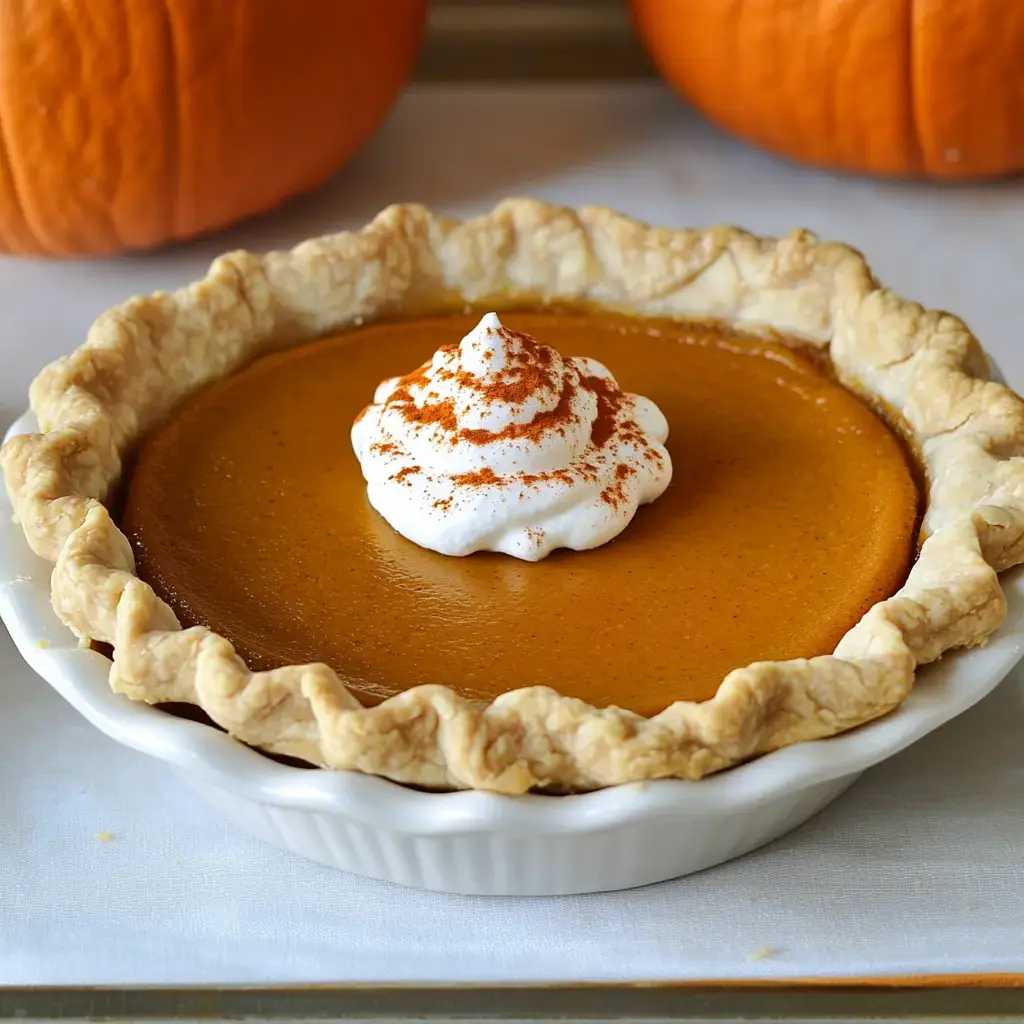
[405, 471]
[529, 371]
[535, 428]
[609, 402]
[616, 494]
[562, 475]
[442, 413]
[418, 376]
[478, 478]
[613, 496]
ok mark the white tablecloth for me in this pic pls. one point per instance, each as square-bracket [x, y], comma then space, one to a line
[110, 872]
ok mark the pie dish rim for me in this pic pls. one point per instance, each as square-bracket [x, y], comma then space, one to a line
[926, 365]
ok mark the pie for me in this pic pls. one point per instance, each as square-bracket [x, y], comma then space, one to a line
[846, 486]
[770, 452]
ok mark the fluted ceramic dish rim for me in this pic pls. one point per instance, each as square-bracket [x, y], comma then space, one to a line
[946, 689]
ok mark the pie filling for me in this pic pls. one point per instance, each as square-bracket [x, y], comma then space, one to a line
[792, 509]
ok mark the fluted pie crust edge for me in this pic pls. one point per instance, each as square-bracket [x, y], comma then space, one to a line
[143, 357]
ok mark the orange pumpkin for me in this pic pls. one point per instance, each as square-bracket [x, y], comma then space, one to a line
[125, 125]
[895, 87]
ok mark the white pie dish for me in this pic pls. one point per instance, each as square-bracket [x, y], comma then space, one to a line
[480, 843]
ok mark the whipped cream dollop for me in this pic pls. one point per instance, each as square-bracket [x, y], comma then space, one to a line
[501, 444]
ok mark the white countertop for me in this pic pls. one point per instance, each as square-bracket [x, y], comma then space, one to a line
[111, 873]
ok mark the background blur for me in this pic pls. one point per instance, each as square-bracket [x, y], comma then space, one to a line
[517, 39]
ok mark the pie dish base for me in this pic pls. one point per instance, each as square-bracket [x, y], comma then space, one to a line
[483, 843]
[654, 848]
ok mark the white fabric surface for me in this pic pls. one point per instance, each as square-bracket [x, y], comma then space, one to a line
[917, 870]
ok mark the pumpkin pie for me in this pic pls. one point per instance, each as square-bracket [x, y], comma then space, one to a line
[845, 487]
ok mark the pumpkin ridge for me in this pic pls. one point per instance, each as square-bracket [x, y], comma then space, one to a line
[13, 207]
[38, 240]
[916, 139]
[173, 121]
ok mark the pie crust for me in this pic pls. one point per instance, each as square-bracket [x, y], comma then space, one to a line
[143, 357]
